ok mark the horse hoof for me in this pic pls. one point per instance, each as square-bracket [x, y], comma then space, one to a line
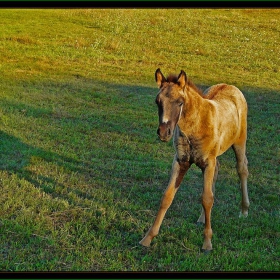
[145, 243]
[199, 224]
[243, 215]
[206, 252]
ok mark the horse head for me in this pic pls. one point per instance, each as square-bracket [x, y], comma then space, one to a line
[170, 101]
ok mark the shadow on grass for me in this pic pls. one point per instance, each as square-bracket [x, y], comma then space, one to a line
[103, 110]
[121, 110]
[15, 157]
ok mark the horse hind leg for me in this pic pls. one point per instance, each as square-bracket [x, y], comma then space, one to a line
[201, 219]
[242, 170]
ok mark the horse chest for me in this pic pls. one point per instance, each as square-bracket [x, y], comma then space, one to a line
[188, 150]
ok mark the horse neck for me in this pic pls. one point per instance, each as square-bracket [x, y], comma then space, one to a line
[193, 107]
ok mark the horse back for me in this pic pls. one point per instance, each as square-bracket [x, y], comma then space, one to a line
[230, 118]
[226, 95]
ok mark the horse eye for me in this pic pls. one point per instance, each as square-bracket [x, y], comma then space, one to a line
[181, 103]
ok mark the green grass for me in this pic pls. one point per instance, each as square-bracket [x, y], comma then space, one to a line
[81, 170]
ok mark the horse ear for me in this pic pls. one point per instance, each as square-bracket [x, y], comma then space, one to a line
[160, 79]
[182, 79]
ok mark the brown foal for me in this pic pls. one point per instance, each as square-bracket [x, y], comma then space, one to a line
[204, 126]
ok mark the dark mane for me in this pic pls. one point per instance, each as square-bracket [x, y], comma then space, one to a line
[173, 78]
[192, 85]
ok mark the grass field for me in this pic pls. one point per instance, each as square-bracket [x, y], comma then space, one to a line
[81, 169]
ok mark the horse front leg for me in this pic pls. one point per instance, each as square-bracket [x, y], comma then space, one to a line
[207, 202]
[201, 219]
[177, 175]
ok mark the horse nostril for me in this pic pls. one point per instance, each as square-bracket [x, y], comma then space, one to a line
[158, 131]
[169, 131]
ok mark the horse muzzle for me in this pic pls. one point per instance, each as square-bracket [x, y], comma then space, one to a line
[165, 132]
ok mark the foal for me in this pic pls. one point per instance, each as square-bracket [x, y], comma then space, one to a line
[204, 126]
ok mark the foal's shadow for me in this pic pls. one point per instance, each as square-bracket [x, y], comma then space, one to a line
[16, 156]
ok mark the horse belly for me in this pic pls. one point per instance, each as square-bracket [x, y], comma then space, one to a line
[229, 128]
